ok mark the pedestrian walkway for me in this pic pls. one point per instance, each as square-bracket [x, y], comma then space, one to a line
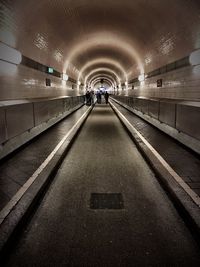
[16, 169]
[105, 207]
[185, 162]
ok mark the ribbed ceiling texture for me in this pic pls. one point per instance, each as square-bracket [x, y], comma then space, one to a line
[114, 39]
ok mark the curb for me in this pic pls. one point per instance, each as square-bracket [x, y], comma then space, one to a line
[15, 217]
[185, 205]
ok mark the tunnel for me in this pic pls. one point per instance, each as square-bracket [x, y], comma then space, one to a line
[100, 133]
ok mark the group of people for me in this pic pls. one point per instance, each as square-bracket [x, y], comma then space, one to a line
[90, 97]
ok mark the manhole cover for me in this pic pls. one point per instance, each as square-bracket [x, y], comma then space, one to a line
[106, 201]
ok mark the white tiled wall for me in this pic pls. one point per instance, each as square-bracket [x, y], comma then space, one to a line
[24, 82]
[183, 83]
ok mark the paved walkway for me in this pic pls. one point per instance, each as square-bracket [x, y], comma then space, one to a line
[105, 208]
[17, 169]
[182, 160]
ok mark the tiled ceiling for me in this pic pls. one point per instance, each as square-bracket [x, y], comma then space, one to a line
[88, 37]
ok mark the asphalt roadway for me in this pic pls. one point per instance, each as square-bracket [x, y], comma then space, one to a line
[133, 223]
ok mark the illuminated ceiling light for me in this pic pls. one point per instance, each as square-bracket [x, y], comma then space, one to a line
[65, 77]
[141, 77]
[194, 58]
[10, 54]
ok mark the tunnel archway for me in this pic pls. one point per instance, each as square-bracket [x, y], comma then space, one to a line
[147, 52]
[107, 76]
[102, 80]
[98, 84]
[101, 71]
[72, 37]
[103, 62]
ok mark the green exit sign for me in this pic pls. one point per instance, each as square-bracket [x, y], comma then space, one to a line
[50, 70]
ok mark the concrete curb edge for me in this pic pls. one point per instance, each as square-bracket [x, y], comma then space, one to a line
[13, 222]
[189, 211]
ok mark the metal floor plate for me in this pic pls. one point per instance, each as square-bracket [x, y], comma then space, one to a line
[106, 201]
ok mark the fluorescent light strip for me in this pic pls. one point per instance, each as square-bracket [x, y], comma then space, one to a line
[10, 54]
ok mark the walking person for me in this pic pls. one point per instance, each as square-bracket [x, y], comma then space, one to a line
[98, 97]
[92, 97]
[106, 95]
[88, 98]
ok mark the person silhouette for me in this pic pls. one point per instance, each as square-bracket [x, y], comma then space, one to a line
[106, 95]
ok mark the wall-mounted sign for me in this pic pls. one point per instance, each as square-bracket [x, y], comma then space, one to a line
[48, 82]
[159, 83]
[10, 54]
[49, 70]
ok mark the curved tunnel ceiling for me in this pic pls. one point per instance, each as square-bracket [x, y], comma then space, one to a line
[106, 62]
[100, 72]
[106, 66]
[80, 36]
[105, 81]
[105, 76]
[98, 84]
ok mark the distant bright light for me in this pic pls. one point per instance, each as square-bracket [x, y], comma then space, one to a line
[141, 77]
[195, 57]
[126, 83]
[65, 77]
[79, 83]
[50, 70]
[10, 54]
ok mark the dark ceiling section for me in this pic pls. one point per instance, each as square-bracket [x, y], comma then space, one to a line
[128, 37]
